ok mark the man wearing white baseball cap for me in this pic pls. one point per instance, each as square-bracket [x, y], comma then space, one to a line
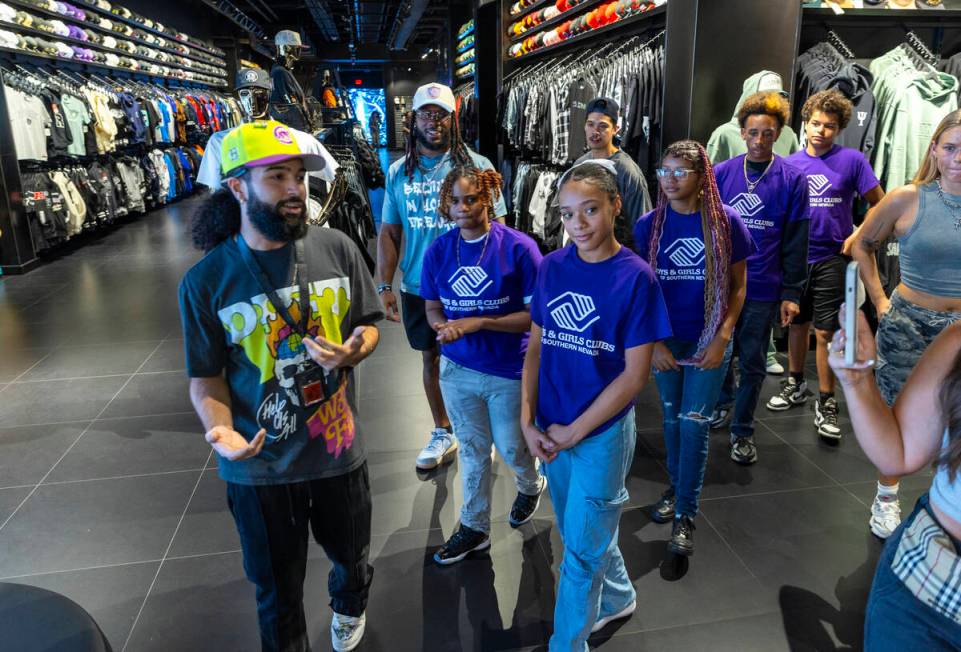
[410, 210]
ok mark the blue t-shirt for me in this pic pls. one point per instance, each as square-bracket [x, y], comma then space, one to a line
[681, 264]
[413, 204]
[500, 282]
[230, 326]
[781, 197]
[590, 314]
[833, 181]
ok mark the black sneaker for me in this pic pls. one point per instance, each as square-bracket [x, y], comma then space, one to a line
[523, 509]
[826, 419]
[682, 536]
[663, 510]
[743, 451]
[792, 393]
[461, 543]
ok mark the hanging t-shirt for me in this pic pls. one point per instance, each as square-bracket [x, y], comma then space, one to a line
[833, 181]
[231, 326]
[59, 137]
[777, 202]
[493, 279]
[78, 117]
[590, 314]
[412, 203]
[30, 122]
[681, 264]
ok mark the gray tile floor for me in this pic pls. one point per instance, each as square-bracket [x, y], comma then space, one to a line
[107, 496]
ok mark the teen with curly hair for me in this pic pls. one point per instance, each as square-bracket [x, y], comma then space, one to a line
[477, 283]
[697, 247]
[410, 211]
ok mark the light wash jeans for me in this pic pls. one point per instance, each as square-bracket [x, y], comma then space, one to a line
[485, 411]
[587, 488]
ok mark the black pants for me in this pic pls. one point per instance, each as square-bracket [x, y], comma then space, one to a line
[272, 521]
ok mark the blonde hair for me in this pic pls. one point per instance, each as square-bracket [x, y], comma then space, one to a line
[928, 171]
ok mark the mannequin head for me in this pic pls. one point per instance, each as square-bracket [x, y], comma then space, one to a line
[253, 91]
[289, 47]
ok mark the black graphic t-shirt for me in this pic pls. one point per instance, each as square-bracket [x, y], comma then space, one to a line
[231, 326]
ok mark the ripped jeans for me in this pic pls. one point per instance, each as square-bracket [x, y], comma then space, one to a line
[485, 411]
[688, 398]
[587, 489]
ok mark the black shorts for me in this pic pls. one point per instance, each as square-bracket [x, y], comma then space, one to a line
[823, 293]
[414, 313]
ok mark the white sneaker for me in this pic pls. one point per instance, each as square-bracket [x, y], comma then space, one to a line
[624, 613]
[885, 516]
[774, 367]
[346, 632]
[792, 393]
[440, 449]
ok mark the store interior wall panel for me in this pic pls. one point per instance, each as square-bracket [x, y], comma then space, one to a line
[488, 73]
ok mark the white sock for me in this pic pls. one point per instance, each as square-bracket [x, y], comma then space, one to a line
[885, 490]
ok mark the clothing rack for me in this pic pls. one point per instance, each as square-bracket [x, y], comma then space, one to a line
[353, 214]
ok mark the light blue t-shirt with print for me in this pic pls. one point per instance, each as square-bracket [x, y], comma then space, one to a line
[413, 204]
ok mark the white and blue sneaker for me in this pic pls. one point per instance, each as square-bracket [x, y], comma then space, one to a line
[439, 450]
[346, 631]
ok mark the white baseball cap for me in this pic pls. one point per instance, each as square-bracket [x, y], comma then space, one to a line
[437, 94]
[287, 37]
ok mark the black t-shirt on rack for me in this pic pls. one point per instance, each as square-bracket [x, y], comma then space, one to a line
[60, 137]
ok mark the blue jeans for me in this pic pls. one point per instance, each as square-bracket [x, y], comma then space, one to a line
[895, 619]
[485, 411]
[587, 488]
[688, 397]
[751, 339]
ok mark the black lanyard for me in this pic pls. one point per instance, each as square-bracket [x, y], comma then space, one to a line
[300, 270]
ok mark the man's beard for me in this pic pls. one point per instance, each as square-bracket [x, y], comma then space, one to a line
[442, 146]
[272, 224]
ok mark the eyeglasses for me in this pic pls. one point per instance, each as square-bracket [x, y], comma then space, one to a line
[677, 173]
[432, 116]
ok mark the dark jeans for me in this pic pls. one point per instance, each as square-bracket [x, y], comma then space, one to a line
[272, 521]
[751, 337]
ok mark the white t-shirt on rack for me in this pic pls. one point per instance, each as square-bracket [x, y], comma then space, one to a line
[29, 121]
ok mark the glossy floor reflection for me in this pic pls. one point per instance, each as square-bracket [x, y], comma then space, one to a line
[107, 496]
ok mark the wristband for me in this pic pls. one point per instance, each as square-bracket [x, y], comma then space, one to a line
[384, 287]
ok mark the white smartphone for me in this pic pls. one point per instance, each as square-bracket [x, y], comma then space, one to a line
[853, 298]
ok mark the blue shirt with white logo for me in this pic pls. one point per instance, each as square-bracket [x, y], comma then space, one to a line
[590, 314]
[681, 264]
[413, 204]
[494, 280]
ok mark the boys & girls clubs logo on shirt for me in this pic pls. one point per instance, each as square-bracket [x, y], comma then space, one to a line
[469, 283]
[747, 204]
[818, 185]
[576, 313]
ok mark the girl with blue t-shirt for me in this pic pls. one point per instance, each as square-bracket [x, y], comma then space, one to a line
[698, 248]
[477, 281]
[597, 311]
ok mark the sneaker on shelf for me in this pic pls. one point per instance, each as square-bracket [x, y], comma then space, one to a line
[663, 509]
[440, 449]
[463, 542]
[524, 507]
[792, 393]
[885, 515]
[826, 419]
[626, 612]
[773, 366]
[346, 631]
[722, 417]
[743, 451]
[682, 536]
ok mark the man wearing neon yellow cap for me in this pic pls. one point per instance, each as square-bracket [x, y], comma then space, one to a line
[275, 317]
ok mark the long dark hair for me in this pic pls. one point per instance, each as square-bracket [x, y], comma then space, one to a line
[460, 156]
[951, 409]
[217, 219]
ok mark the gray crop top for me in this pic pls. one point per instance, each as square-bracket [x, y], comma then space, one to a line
[931, 250]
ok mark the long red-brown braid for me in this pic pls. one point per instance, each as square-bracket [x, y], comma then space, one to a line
[487, 182]
[717, 241]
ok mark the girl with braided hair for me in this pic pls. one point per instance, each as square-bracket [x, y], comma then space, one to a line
[698, 248]
[596, 313]
[477, 283]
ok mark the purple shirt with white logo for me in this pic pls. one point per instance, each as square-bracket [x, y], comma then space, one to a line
[500, 282]
[681, 264]
[833, 181]
[779, 198]
[590, 314]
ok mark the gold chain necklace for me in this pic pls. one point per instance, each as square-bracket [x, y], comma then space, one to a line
[460, 238]
[752, 186]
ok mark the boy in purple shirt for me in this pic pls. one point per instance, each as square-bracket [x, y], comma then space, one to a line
[771, 197]
[835, 175]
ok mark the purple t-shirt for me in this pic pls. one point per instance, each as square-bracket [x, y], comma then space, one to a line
[681, 264]
[833, 181]
[590, 314]
[780, 197]
[498, 283]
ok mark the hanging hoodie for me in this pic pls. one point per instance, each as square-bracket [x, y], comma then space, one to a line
[854, 81]
[726, 141]
[76, 207]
